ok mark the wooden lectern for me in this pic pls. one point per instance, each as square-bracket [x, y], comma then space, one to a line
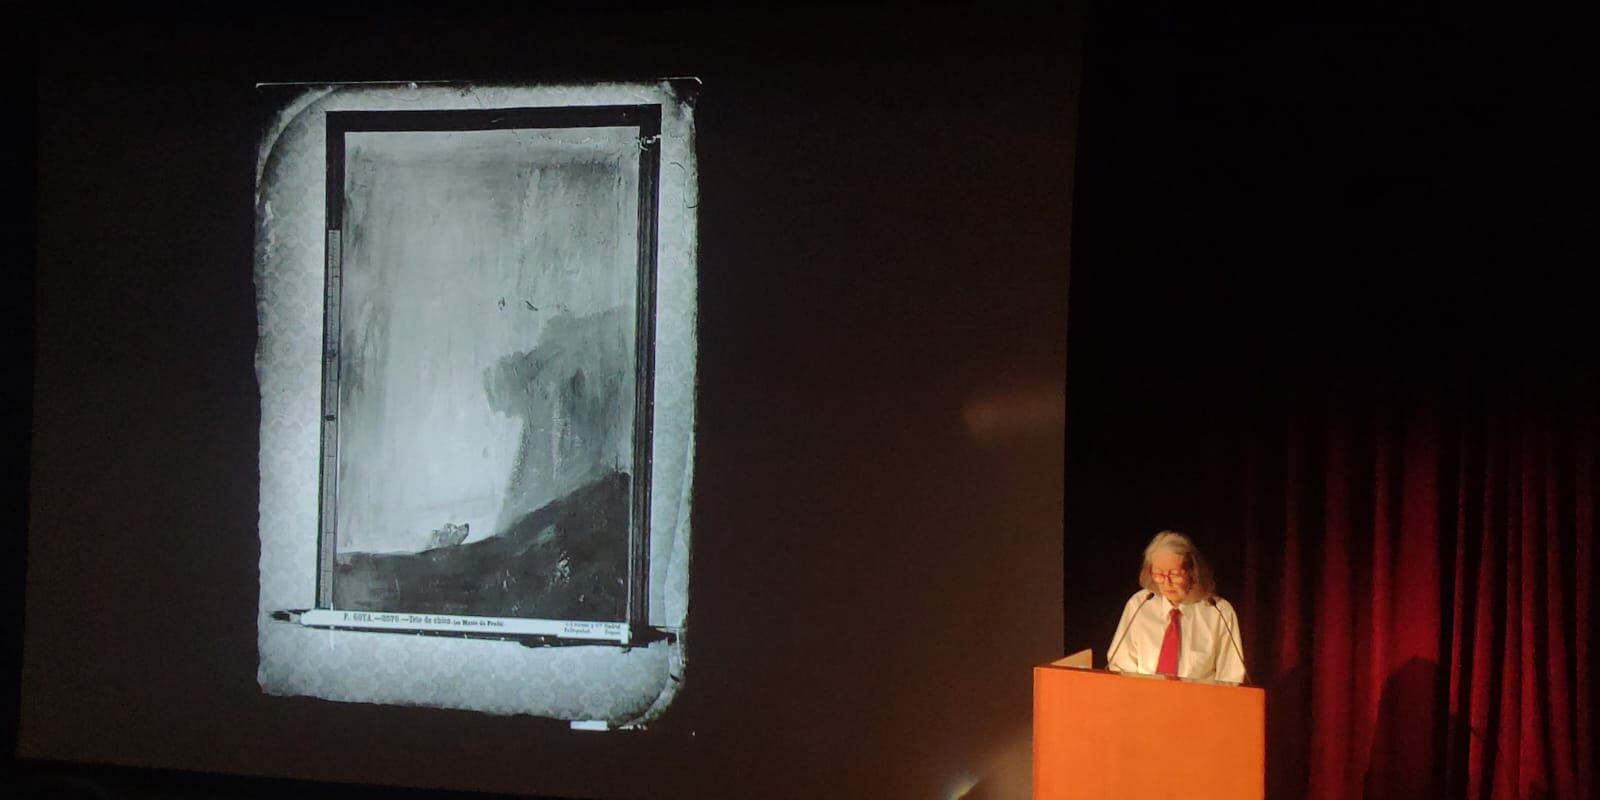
[1099, 734]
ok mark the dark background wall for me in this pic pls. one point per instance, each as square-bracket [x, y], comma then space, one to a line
[878, 495]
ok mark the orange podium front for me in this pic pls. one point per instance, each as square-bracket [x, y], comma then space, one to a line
[1104, 734]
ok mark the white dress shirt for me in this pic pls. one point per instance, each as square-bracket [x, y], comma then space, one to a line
[1206, 652]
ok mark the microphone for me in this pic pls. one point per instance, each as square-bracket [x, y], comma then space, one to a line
[1148, 596]
[1240, 653]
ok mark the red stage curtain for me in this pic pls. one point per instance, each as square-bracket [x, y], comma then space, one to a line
[1419, 598]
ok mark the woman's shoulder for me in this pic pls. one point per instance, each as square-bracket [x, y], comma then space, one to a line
[1137, 598]
[1222, 605]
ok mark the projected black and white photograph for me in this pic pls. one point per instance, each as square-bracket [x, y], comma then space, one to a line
[504, 298]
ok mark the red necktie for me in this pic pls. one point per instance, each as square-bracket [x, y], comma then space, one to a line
[1168, 663]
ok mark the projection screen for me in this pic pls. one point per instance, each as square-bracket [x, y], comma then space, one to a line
[476, 358]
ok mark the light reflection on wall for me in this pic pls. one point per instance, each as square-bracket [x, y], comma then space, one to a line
[1001, 415]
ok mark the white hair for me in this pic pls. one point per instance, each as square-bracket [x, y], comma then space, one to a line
[1201, 582]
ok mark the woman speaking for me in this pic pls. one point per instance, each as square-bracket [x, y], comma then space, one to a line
[1176, 625]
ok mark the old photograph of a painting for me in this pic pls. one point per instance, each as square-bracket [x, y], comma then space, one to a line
[477, 366]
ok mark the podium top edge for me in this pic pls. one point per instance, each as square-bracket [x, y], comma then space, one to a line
[1142, 676]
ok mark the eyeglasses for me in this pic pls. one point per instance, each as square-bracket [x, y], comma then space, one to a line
[1168, 576]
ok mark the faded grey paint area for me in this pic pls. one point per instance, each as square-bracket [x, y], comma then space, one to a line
[574, 394]
[488, 312]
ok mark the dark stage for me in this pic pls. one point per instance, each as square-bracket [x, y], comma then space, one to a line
[986, 297]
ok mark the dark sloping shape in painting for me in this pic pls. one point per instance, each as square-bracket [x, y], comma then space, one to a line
[565, 560]
[574, 394]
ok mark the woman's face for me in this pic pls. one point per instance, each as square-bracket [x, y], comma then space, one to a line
[1171, 576]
